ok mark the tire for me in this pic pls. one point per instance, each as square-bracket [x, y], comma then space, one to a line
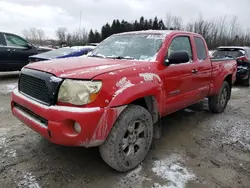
[218, 103]
[129, 140]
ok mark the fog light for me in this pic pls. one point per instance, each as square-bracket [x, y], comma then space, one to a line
[77, 127]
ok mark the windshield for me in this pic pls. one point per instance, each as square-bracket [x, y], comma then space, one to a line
[130, 46]
[62, 51]
[229, 52]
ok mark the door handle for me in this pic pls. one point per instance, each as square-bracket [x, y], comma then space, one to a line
[8, 50]
[194, 71]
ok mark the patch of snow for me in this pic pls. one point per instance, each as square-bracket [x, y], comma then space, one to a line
[106, 66]
[88, 70]
[122, 85]
[2, 143]
[7, 88]
[107, 101]
[156, 37]
[112, 73]
[75, 109]
[10, 153]
[189, 110]
[171, 170]
[55, 79]
[150, 76]
[134, 69]
[58, 108]
[68, 74]
[235, 89]
[2, 109]
[157, 185]
[46, 69]
[28, 181]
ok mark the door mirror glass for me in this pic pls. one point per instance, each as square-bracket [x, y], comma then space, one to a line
[177, 57]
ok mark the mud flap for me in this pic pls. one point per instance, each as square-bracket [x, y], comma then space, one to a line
[157, 129]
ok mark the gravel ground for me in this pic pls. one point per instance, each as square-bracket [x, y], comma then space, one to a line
[197, 149]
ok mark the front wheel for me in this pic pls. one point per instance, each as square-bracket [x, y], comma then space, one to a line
[129, 140]
[218, 103]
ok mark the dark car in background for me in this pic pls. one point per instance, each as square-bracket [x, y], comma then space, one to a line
[14, 52]
[65, 52]
[242, 55]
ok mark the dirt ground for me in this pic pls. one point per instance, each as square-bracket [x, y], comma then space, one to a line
[197, 149]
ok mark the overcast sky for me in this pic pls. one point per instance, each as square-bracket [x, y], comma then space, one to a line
[16, 15]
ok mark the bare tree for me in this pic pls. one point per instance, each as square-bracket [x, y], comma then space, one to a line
[34, 35]
[61, 34]
[41, 36]
[26, 34]
[174, 22]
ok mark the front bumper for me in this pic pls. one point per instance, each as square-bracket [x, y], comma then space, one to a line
[56, 122]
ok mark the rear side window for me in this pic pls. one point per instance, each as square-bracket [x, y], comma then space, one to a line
[200, 48]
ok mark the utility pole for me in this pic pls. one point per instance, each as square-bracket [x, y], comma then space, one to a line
[80, 25]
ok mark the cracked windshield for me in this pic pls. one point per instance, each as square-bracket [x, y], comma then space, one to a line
[124, 94]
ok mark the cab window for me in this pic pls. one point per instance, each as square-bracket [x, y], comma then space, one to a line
[181, 43]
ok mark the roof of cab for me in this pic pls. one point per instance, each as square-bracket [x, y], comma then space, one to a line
[161, 32]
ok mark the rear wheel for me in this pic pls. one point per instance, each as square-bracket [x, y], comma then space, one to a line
[129, 140]
[218, 103]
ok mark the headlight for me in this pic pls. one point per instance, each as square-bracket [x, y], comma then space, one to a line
[78, 92]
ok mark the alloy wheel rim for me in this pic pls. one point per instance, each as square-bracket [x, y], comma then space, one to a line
[223, 97]
[134, 139]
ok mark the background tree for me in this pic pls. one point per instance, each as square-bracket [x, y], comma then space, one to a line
[61, 34]
[218, 32]
[34, 35]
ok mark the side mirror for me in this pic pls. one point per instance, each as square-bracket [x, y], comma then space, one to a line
[177, 57]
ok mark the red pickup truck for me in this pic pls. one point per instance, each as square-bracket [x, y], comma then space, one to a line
[115, 97]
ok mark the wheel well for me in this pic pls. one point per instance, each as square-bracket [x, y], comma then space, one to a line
[150, 103]
[140, 102]
[229, 79]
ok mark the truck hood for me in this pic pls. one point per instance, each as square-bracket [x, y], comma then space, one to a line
[83, 67]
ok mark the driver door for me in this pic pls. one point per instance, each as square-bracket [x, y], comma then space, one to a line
[178, 77]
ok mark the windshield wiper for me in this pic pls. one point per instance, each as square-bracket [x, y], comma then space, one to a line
[120, 57]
